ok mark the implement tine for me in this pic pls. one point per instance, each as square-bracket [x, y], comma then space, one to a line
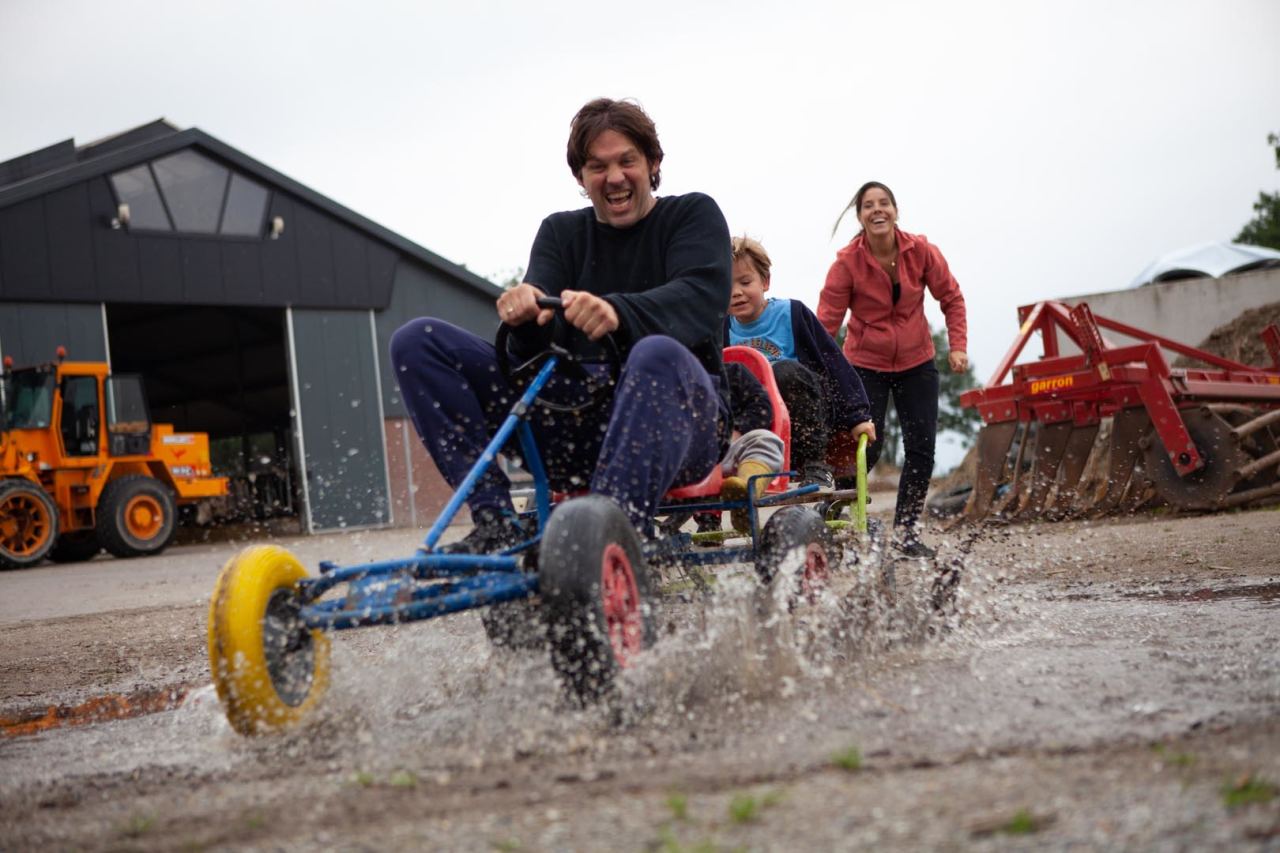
[1127, 428]
[1051, 446]
[1017, 483]
[1079, 446]
[993, 449]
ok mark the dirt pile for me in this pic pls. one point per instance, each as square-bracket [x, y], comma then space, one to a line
[1241, 339]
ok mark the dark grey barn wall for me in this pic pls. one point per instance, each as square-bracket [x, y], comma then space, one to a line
[60, 247]
[420, 292]
[31, 332]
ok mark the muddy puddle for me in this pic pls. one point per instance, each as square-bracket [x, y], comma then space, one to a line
[729, 691]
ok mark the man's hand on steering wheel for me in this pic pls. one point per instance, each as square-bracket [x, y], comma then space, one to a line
[588, 312]
[519, 305]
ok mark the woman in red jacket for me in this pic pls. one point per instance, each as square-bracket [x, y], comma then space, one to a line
[880, 278]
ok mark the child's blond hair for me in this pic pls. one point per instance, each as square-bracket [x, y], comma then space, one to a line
[746, 248]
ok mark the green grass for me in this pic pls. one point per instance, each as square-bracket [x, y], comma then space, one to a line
[848, 759]
[403, 779]
[1246, 790]
[362, 778]
[506, 845]
[1023, 822]
[1173, 759]
[678, 803]
[746, 808]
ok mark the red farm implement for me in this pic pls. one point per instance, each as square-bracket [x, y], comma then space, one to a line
[1200, 438]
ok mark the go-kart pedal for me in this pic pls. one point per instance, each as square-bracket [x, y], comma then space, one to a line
[494, 532]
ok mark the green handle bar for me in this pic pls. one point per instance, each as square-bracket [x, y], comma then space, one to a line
[860, 507]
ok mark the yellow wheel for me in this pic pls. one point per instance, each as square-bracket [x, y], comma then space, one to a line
[269, 670]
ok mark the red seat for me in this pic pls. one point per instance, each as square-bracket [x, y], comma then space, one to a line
[754, 361]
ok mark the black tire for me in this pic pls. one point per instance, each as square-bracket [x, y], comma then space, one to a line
[949, 504]
[137, 516]
[75, 547]
[28, 523]
[597, 593]
[516, 625]
[795, 529]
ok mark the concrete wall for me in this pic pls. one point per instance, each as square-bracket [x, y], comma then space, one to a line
[1185, 311]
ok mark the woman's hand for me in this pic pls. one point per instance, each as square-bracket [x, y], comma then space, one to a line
[959, 361]
[867, 428]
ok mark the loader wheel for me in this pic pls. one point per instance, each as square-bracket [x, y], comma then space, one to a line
[75, 547]
[137, 516]
[269, 669]
[28, 524]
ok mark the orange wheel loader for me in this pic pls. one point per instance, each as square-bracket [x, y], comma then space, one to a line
[82, 468]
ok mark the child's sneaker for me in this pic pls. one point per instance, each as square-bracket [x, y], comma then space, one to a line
[735, 489]
[820, 475]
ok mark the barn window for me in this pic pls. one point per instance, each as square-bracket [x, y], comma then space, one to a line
[190, 193]
[193, 187]
[136, 188]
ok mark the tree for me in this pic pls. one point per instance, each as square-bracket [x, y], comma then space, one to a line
[511, 278]
[1264, 228]
[952, 417]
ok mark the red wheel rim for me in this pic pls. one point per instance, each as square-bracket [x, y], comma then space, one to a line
[621, 600]
[817, 571]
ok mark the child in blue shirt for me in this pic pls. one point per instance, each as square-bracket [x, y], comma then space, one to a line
[824, 395]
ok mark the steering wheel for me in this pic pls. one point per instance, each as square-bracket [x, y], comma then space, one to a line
[596, 391]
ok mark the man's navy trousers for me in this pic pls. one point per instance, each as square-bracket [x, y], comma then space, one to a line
[662, 428]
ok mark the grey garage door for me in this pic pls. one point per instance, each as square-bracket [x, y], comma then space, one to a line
[337, 416]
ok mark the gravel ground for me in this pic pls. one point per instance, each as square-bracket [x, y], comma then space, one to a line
[1111, 685]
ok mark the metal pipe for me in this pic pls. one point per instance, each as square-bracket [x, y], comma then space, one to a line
[488, 455]
[508, 588]
[1240, 498]
[1250, 427]
[1260, 464]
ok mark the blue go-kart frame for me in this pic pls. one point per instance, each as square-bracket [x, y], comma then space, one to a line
[268, 619]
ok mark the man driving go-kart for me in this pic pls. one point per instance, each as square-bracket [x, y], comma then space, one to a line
[654, 273]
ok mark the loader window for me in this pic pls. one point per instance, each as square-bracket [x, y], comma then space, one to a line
[80, 415]
[128, 423]
[29, 399]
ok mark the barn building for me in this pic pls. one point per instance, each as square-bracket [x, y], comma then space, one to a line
[256, 310]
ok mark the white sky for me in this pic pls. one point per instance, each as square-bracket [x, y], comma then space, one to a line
[1049, 149]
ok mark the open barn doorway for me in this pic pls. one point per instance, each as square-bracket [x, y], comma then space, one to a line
[221, 370]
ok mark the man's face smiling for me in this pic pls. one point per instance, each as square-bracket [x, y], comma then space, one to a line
[616, 177]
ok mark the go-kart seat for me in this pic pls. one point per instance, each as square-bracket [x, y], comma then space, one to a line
[754, 361]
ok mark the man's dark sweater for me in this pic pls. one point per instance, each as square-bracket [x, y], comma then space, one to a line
[669, 274]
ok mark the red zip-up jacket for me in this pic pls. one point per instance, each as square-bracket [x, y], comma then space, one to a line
[884, 336]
